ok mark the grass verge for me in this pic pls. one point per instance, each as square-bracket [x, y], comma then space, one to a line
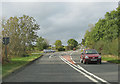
[111, 58]
[16, 63]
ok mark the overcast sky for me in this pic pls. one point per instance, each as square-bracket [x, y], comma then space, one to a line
[60, 20]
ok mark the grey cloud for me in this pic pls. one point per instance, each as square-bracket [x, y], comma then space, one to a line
[60, 20]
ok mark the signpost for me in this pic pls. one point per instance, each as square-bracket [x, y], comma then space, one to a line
[6, 42]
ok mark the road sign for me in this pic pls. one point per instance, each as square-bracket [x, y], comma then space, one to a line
[6, 40]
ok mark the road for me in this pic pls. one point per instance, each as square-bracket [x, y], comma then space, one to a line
[65, 67]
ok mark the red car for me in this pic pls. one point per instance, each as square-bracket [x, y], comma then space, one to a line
[90, 55]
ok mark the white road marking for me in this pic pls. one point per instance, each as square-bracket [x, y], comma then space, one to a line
[72, 59]
[80, 71]
[92, 74]
[71, 53]
[78, 66]
[50, 56]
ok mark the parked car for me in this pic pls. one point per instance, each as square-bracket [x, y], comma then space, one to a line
[89, 56]
[48, 51]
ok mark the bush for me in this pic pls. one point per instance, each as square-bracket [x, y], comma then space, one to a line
[99, 45]
[25, 55]
[114, 47]
[61, 48]
[107, 47]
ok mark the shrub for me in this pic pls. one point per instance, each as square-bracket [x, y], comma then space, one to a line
[114, 47]
[61, 48]
[107, 47]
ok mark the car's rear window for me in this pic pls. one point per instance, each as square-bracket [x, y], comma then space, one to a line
[91, 52]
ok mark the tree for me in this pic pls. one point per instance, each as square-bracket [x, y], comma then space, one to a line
[83, 42]
[58, 43]
[61, 48]
[105, 33]
[41, 43]
[22, 32]
[72, 43]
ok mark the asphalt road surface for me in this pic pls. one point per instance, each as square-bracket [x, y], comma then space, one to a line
[52, 67]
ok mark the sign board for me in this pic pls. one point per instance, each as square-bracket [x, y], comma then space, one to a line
[5, 40]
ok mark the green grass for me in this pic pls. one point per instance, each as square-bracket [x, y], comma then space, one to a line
[37, 51]
[16, 63]
[111, 58]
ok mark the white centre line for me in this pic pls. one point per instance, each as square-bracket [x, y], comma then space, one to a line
[81, 68]
[80, 71]
[92, 74]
